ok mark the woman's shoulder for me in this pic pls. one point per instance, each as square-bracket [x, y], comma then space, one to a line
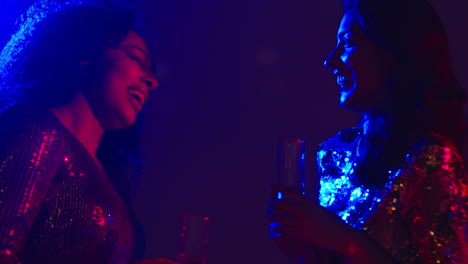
[344, 139]
[435, 154]
[22, 123]
[433, 144]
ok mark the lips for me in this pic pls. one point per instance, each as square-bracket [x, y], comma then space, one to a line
[138, 97]
[345, 82]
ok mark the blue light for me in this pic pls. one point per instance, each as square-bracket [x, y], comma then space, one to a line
[340, 191]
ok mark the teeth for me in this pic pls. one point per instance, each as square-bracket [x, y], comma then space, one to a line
[340, 79]
[138, 95]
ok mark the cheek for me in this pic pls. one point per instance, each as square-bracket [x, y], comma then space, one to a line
[121, 70]
[366, 69]
[356, 62]
[357, 67]
[120, 75]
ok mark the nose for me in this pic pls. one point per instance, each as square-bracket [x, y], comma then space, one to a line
[150, 81]
[332, 60]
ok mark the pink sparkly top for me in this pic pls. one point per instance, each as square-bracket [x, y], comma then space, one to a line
[56, 204]
[419, 216]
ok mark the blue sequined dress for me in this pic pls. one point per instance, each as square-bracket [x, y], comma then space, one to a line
[419, 216]
[56, 204]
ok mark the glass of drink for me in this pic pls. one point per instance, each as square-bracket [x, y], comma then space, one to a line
[291, 165]
[193, 239]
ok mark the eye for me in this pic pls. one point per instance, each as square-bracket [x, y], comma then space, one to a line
[141, 57]
[347, 41]
[139, 60]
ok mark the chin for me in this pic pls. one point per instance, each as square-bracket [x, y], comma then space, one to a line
[345, 102]
[119, 123]
[127, 123]
[350, 104]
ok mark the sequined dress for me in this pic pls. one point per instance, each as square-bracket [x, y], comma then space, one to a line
[419, 216]
[56, 203]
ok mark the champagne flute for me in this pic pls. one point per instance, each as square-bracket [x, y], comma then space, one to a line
[193, 239]
[291, 161]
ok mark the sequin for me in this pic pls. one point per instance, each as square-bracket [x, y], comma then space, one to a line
[47, 213]
[419, 216]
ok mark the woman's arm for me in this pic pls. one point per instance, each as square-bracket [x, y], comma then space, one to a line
[432, 202]
[361, 249]
[436, 204]
[28, 164]
[306, 221]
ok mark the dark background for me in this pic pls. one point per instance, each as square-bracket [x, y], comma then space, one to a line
[236, 76]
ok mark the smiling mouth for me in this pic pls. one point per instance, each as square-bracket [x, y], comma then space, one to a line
[344, 83]
[138, 95]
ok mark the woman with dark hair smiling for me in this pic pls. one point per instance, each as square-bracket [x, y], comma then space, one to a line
[73, 79]
[393, 189]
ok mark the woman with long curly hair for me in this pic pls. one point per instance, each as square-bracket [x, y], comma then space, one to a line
[393, 189]
[73, 79]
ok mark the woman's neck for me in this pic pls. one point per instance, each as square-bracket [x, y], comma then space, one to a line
[375, 126]
[78, 117]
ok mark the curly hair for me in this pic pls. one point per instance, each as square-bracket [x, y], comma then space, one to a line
[39, 66]
[427, 98]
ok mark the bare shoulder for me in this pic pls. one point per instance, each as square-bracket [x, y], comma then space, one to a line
[434, 147]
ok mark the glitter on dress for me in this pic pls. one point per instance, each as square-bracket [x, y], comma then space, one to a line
[419, 216]
[56, 204]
